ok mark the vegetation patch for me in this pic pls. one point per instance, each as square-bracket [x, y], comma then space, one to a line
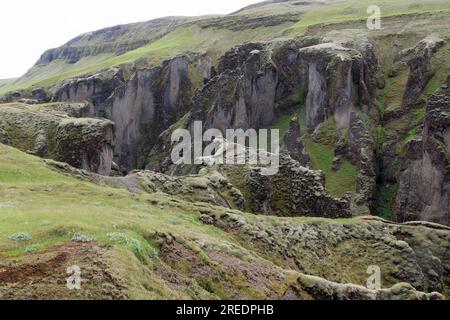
[385, 199]
[337, 182]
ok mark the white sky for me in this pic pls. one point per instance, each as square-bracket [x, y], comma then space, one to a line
[29, 27]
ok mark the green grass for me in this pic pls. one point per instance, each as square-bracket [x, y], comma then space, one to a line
[52, 207]
[326, 134]
[356, 10]
[337, 182]
[6, 82]
[282, 123]
[441, 66]
[392, 95]
[409, 137]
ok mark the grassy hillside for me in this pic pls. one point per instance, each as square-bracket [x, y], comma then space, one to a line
[154, 246]
[45, 211]
[208, 34]
[6, 82]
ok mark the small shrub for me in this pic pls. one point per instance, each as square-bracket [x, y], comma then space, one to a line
[31, 249]
[77, 237]
[20, 236]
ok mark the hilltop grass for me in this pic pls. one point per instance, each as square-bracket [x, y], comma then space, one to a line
[357, 10]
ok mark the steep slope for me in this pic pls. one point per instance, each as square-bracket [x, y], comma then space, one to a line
[149, 246]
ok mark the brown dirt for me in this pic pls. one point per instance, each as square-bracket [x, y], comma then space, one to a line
[43, 275]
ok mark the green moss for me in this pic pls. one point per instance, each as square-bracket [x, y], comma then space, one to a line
[440, 64]
[394, 91]
[411, 135]
[326, 133]
[386, 195]
[282, 123]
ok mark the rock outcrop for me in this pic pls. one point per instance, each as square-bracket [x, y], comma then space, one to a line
[51, 131]
[294, 144]
[37, 96]
[419, 66]
[293, 191]
[243, 93]
[4, 137]
[332, 88]
[416, 255]
[86, 143]
[424, 178]
[141, 107]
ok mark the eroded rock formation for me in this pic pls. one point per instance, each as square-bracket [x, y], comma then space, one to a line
[424, 178]
[51, 131]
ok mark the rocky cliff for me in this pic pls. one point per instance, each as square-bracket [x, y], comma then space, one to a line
[58, 131]
[424, 185]
[141, 107]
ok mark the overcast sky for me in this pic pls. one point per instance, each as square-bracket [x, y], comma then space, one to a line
[29, 27]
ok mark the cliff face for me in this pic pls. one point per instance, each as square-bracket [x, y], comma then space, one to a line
[117, 40]
[243, 93]
[141, 107]
[330, 90]
[424, 180]
[419, 66]
[59, 132]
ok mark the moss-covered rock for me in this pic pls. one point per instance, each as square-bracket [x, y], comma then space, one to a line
[50, 131]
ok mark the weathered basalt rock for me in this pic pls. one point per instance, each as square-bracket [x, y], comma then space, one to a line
[51, 131]
[141, 107]
[341, 88]
[40, 95]
[86, 143]
[294, 144]
[424, 178]
[293, 191]
[331, 89]
[95, 89]
[4, 137]
[420, 71]
[243, 93]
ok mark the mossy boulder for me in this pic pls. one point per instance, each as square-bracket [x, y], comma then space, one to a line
[50, 131]
[86, 143]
